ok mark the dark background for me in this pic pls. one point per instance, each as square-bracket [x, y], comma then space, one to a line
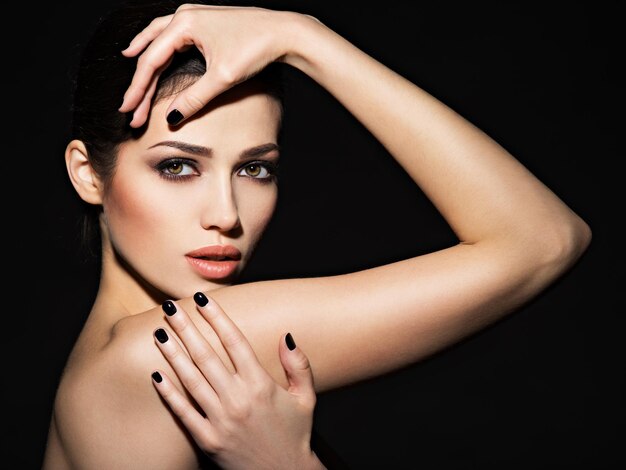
[542, 389]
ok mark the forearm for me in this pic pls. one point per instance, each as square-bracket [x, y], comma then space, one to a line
[482, 191]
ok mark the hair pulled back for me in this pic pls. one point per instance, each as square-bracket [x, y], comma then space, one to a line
[103, 75]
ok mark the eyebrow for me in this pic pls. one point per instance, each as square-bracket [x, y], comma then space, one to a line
[207, 152]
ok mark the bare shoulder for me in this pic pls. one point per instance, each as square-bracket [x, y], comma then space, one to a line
[107, 412]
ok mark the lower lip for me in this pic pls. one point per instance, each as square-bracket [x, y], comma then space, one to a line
[213, 269]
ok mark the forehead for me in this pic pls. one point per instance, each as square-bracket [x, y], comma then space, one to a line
[239, 118]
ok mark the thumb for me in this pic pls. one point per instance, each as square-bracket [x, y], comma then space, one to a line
[298, 370]
[195, 97]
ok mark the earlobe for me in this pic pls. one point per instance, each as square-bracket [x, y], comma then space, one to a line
[81, 173]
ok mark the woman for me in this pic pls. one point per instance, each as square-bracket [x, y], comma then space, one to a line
[194, 168]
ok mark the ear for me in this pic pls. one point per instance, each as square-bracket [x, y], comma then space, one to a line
[82, 175]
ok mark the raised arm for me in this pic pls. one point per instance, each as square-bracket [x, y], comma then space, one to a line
[515, 235]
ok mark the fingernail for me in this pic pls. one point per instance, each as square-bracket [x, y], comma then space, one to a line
[174, 117]
[169, 308]
[161, 335]
[157, 377]
[200, 299]
[291, 344]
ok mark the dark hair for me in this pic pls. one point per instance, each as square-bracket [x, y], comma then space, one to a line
[104, 74]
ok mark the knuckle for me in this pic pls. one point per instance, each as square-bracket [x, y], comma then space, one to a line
[173, 353]
[262, 390]
[184, 7]
[301, 362]
[146, 62]
[166, 392]
[239, 409]
[154, 22]
[204, 357]
[232, 339]
[182, 324]
[207, 442]
[226, 75]
[180, 412]
[145, 31]
[215, 445]
[193, 384]
[310, 401]
[193, 102]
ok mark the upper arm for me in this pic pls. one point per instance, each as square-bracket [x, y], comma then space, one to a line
[367, 323]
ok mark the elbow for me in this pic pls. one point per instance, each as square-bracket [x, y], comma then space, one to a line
[564, 243]
[583, 237]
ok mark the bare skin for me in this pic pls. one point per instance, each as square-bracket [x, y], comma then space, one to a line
[516, 237]
[243, 419]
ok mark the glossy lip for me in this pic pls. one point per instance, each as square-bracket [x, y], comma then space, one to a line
[214, 262]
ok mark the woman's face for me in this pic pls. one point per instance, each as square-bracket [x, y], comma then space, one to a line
[187, 205]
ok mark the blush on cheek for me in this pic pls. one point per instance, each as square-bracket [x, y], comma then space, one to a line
[132, 215]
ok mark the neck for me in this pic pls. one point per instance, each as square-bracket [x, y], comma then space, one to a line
[121, 292]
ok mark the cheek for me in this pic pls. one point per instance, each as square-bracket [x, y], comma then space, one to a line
[132, 213]
[256, 208]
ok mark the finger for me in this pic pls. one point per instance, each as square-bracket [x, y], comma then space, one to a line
[141, 113]
[199, 427]
[156, 56]
[147, 35]
[192, 379]
[196, 96]
[202, 353]
[235, 343]
[298, 370]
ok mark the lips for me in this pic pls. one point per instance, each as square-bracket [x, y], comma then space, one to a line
[214, 262]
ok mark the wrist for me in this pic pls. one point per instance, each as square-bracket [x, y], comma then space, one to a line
[305, 39]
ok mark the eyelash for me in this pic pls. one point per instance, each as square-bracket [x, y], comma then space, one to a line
[163, 166]
[270, 167]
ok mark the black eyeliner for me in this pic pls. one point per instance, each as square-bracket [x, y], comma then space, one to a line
[164, 164]
[270, 166]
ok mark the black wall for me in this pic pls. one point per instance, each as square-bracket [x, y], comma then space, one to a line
[542, 389]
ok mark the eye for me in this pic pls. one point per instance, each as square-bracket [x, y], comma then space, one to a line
[176, 168]
[258, 170]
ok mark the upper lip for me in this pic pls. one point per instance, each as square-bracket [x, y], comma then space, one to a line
[216, 252]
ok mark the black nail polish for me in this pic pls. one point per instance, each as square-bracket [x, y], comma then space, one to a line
[169, 308]
[200, 299]
[157, 377]
[174, 117]
[161, 335]
[291, 344]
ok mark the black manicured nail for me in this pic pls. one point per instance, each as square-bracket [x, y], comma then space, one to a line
[174, 117]
[291, 344]
[161, 335]
[157, 377]
[169, 308]
[200, 299]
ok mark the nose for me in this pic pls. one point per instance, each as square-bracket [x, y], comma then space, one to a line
[220, 206]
